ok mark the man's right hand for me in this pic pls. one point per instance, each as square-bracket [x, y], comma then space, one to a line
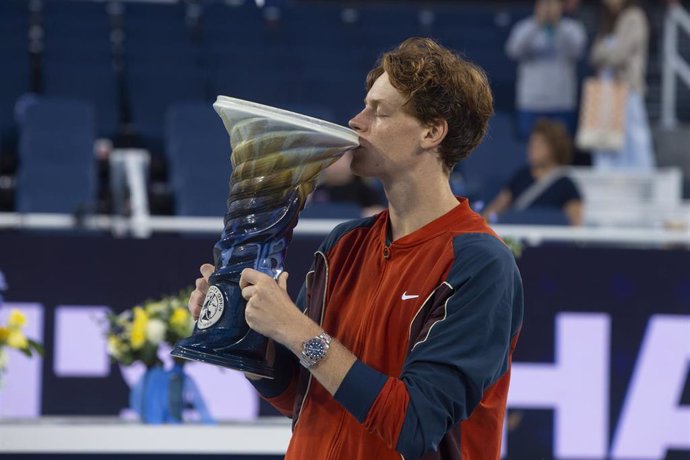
[196, 299]
[196, 302]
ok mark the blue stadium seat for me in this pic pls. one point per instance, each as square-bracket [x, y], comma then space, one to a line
[162, 66]
[55, 189]
[344, 92]
[76, 32]
[494, 161]
[317, 111]
[14, 21]
[76, 13]
[319, 56]
[141, 53]
[156, 33]
[77, 59]
[198, 151]
[239, 24]
[377, 17]
[247, 57]
[152, 88]
[255, 81]
[59, 115]
[92, 82]
[482, 17]
[56, 172]
[383, 27]
[141, 15]
[317, 25]
[203, 195]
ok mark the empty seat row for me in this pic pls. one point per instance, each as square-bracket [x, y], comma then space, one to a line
[313, 55]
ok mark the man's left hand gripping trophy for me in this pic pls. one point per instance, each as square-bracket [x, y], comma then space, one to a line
[276, 158]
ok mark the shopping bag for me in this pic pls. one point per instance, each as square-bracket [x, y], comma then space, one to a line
[602, 115]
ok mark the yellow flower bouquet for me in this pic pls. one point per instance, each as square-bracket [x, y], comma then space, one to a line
[135, 335]
[11, 336]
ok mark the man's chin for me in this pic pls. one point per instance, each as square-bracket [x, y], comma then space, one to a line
[357, 167]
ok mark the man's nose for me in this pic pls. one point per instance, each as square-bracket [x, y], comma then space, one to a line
[356, 122]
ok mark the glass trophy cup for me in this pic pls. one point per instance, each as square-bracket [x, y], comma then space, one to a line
[276, 158]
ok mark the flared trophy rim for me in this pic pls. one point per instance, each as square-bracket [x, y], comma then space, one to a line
[286, 116]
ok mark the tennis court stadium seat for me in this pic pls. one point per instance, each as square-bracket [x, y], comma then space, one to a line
[198, 152]
[56, 172]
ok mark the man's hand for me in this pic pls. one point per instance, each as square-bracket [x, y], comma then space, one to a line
[196, 299]
[270, 312]
[269, 309]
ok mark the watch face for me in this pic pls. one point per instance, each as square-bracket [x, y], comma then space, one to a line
[315, 348]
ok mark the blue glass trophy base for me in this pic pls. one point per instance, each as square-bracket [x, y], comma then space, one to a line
[222, 337]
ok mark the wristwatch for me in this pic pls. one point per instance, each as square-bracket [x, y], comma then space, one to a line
[314, 350]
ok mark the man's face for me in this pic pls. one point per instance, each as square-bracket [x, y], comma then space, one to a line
[389, 136]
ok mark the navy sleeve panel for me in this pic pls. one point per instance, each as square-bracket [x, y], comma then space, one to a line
[467, 351]
[285, 363]
[359, 389]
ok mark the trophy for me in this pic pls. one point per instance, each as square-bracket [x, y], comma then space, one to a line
[276, 158]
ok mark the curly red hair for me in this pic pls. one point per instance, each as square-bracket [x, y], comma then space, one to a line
[439, 84]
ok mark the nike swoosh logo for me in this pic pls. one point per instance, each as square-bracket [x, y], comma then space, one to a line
[408, 297]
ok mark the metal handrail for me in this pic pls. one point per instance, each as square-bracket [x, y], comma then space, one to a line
[673, 63]
[530, 234]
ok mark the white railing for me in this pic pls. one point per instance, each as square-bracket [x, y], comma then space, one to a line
[675, 233]
[128, 173]
[673, 63]
[640, 199]
[100, 435]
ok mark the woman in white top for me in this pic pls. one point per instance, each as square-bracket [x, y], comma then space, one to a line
[620, 52]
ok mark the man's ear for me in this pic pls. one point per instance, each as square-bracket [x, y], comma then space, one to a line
[434, 134]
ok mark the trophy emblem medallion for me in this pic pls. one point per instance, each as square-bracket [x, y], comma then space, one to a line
[212, 309]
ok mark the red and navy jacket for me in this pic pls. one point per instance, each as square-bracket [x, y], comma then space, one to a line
[433, 318]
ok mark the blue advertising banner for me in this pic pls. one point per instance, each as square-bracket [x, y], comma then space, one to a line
[602, 368]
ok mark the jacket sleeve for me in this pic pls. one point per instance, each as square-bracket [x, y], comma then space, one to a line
[464, 351]
[280, 392]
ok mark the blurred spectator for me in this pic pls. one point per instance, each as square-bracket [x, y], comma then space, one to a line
[620, 52]
[338, 185]
[570, 7]
[547, 47]
[543, 184]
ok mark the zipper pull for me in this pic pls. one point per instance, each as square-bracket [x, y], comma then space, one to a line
[386, 252]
